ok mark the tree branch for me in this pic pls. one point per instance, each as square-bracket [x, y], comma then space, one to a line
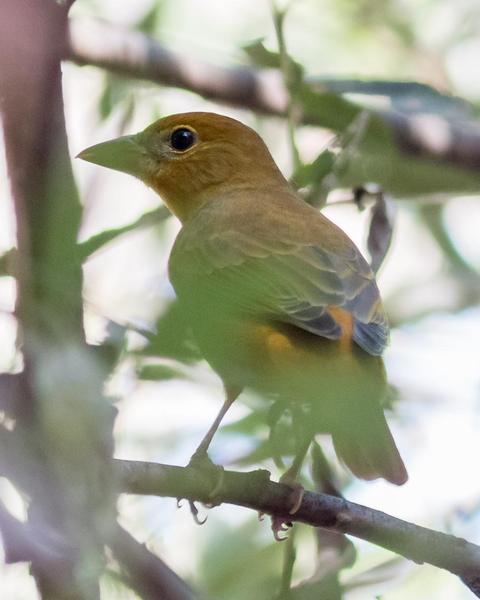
[133, 54]
[40, 544]
[61, 416]
[255, 490]
[147, 574]
[24, 543]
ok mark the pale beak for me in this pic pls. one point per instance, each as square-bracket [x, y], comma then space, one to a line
[126, 154]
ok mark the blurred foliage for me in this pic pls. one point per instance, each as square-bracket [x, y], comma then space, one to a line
[239, 562]
[172, 337]
[97, 241]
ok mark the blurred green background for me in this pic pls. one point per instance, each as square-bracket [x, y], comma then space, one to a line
[430, 282]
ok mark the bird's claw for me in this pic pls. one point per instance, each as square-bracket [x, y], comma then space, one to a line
[194, 511]
[279, 526]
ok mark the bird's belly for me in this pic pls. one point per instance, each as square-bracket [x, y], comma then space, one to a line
[284, 360]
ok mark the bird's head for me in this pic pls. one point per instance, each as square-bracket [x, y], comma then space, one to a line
[191, 158]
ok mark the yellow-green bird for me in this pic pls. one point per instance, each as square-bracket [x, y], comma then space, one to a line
[278, 297]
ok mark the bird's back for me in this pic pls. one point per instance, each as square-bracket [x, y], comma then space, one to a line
[266, 253]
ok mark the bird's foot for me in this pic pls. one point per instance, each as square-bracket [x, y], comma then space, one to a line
[280, 526]
[215, 473]
[297, 493]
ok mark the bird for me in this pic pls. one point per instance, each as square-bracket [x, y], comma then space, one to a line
[279, 298]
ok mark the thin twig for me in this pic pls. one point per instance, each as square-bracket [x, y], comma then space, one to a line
[289, 558]
[286, 67]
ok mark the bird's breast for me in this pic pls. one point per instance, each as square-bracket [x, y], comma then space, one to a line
[274, 356]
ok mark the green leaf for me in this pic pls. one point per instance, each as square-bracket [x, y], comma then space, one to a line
[314, 172]
[260, 453]
[260, 56]
[6, 261]
[249, 424]
[408, 97]
[240, 563]
[432, 216]
[376, 156]
[149, 21]
[172, 337]
[94, 243]
[116, 91]
[159, 373]
[336, 113]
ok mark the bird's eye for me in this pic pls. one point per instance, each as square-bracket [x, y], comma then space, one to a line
[182, 139]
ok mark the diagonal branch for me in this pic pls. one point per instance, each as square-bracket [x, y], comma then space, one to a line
[255, 490]
[147, 574]
[133, 54]
[21, 542]
[49, 549]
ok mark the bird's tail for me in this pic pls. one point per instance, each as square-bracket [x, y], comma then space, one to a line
[368, 449]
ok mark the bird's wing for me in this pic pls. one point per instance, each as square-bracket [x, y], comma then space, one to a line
[287, 280]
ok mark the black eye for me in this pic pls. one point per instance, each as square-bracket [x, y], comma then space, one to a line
[182, 139]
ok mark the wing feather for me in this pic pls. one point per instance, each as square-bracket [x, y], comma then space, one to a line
[284, 279]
